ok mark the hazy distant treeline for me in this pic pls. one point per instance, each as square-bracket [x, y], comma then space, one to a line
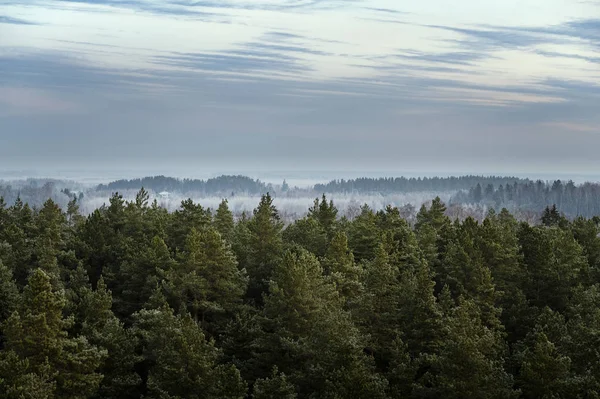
[386, 185]
[571, 199]
[36, 191]
[466, 195]
[213, 186]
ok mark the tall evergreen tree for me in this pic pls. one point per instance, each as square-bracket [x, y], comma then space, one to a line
[276, 386]
[9, 294]
[339, 265]
[311, 338]
[207, 281]
[470, 363]
[37, 333]
[265, 246]
[223, 221]
[178, 361]
[364, 235]
[309, 234]
[325, 213]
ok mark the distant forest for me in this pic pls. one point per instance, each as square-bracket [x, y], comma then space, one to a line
[214, 186]
[133, 301]
[388, 185]
[571, 199]
[468, 195]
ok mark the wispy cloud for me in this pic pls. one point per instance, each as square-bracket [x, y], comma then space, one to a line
[572, 126]
[15, 21]
[364, 79]
[386, 10]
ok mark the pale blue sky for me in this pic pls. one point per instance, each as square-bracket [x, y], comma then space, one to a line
[473, 86]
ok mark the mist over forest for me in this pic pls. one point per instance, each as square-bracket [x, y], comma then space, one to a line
[468, 195]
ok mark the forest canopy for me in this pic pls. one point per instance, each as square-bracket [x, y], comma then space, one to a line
[133, 301]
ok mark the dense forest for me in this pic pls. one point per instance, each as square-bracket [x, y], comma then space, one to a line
[386, 185]
[573, 200]
[135, 302]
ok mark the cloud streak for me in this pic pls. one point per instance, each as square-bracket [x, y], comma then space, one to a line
[15, 21]
[313, 81]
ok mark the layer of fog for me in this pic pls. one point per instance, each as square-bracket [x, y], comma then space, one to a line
[290, 208]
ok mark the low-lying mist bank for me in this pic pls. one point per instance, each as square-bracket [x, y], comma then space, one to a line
[465, 195]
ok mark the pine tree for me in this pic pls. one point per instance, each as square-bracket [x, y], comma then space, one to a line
[276, 386]
[17, 238]
[551, 216]
[9, 294]
[311, 338]
[466, 275]
[309, 234]
[139, 275]
[265, 246]
[339, 265]
[470, 363]
[37, 332]
[500, 250]
[433, 230]
[178, 361]
[207, 281]
[555, 265]
[399, 239]
[587, 234]
[97, 323]
[420, 316]
[379, 310]
[544, 373]
[325, 213]
[223, 221]
[19, 380]
[50, 238]
[582, 339]
[364, 235]
[189, 216]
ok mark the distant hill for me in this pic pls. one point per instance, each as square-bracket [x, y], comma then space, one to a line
[218, 185]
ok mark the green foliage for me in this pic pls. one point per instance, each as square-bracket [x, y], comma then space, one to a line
[544, 372]
[178, 361]
[470, 362]
[37, 333]
[363, 235]
[135, 302]
[325, 213]
[223, 221]
[311, 338]
[207, 281]
[264, 246]
[309, 234]
[341, 269]
[9, 293]
[276, 386]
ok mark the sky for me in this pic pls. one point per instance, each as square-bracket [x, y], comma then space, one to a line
[429, 86]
